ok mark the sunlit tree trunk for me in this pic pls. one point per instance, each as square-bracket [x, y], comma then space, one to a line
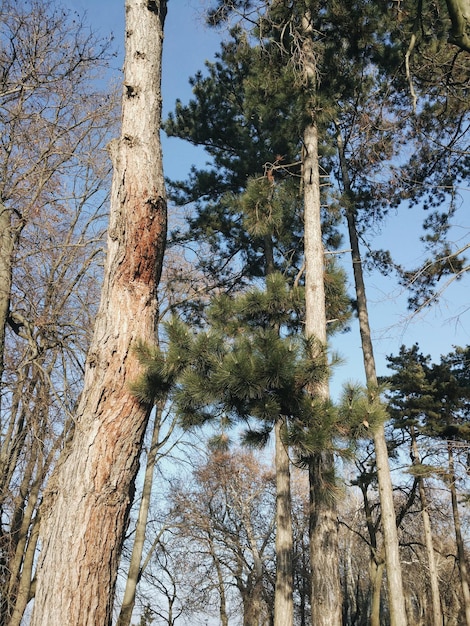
[428, 540]
[8, 238]
[461, 557]
[87, 501]
[324, 551]
[135, 566]
[283, 599]
[392, 556]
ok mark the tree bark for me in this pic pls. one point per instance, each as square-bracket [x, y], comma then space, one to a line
[428, 540]
[8, 238]
[135, 569]
[323, 525]
[283, 597]
[396, 595]
[87, 500]
[376, 570]
[461, 557]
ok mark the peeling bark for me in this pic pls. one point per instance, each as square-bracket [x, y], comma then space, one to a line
[87, 500]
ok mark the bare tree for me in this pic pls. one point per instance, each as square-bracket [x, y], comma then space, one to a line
[54, 123]
[228, 514]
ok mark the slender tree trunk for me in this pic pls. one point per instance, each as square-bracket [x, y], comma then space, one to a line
[88, 497]
[8, 238]
[376, 570]
[24, 592]
[135, 570]
[220, 584]
[283, 598]
[396, 596]
[284, 588]
[462, 560]
[252, 594]
[433, 575]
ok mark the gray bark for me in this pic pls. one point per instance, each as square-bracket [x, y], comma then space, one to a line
[283, 599]
[428, 540]
[461, 557]
[392, 556]
[324, 552]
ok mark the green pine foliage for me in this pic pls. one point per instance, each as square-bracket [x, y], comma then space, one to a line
[434, 398]
[363, 409]
[250, 366]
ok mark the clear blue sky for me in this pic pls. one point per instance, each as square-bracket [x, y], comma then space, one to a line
[188, 43]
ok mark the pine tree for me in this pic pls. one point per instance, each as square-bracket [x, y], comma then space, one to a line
[251, 367]
[433, 400]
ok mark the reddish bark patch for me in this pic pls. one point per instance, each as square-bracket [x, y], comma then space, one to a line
[145, 241]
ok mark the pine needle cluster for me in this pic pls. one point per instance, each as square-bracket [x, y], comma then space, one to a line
[252, 366]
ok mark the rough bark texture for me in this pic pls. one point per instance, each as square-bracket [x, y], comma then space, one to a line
[396, 596]
[7, 243]
[437, 617]
[461, 557]
[283, 598]
[326, 600]
[88, 497]
[324, 553]
[134, 572]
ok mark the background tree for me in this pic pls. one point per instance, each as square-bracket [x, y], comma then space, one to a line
[437, 407]
[88, 498]
[229, 516]
[55, 124]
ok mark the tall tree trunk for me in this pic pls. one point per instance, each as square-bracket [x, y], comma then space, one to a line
[283, 598]
[396, 595]
[284, 588]
[88, 497]
[323, 525]
[461, 557]
[428, 540]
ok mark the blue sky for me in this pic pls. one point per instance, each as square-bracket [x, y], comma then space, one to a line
[188, 43]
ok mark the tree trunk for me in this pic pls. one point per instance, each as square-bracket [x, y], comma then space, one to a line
[324, 555]
[324, 552]
[88, 497]
[396, 595]
[376, 570]
[323, 526]
[221, 582]
[8, 238]
[461, 557]
[433, 575]
[135, 570]
[283, 598]
[251, 599]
